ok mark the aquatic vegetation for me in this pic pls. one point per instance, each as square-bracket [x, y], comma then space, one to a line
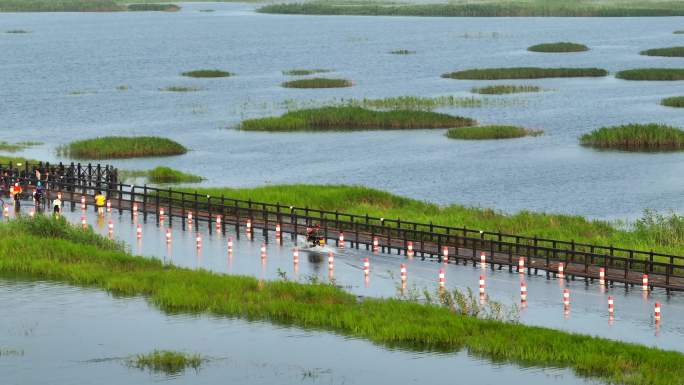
[505, 89]
[14, 147]
[680, 32]
[304, 72]
[667, 52]
[122, 87]
[17, 31]
[427, 103]
[390, 322]
[153, 7]
[180, 89]
[166, 361]
[207, 10]
[15, 160]
[636, 137]
[525, 73]
[207, 74]
[491, 132]
[318, 83]
[354, 118]
[660, 74]
[380, 204]
[559, 47]
[110, 147]
[61, 6]
[161, 174]
[675, 101]
[496, 8]
[402, 52]
[5, 352]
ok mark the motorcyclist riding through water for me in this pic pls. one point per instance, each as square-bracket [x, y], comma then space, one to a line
[313, 236]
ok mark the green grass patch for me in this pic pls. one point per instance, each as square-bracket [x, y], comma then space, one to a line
[17, 161]
[14, 147]
[153, 7]
[485, 8]
[560, 47]
[17, 31]
[390, 322]
[525, 73]
[161, 174]
[318, 83]
[667, 52]
[354, 118]
[636, 137]
[425, 103]
[166, 361]
[402, 52]
[123, 87]
[111, 147]
[61, 6]
[654, 74]
[207, 74]
[304, 72]
[501, 89]
[180, 89]
[675, 101]
[491, 132]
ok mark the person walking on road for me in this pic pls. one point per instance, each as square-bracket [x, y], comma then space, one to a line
[100, 203]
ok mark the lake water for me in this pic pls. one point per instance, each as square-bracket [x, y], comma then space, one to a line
[60, 83]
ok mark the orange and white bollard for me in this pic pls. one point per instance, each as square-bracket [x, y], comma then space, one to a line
[521, 265]
[331, 260]
[366, 267]
[189, 216]
[198, 241]
[376, 245]
[445, 254]
[218, 221]
[295, 256]
[277, 231]
[135, 209]
[482, 284]
[656, 315]
[249, 225]
[561, 270]
[161, 212]
[230, 245]
[109, 206]
[483, 260]
[602, 276]
[138, 231]
[523, 292]
[644, 282]
[83, 202]
[168, 236]
[611, 306]
[442, 279]
[409, 249]
[402, 270]
[84, 223]
[566, 298]
[263, 250]
[341, 241]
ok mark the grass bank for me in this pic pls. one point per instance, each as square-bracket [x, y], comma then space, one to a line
[496, 8]
[636, 137]
[15, 160]
[389, 322]
[560, 47]
[161, 174]
[14, 147]
[501, 89]
[525, 73]
[405, 102]
[304, 72]
[207, 74]
[153, 7]
[675, 101]
[111, 147]
[354, 118]
[491, 132]
[659, 74]
[653, 231]
[667, 52]
[61, 6]
[318, 83]
[166, 361]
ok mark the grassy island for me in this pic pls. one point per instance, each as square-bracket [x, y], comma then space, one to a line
[111, 147]
[161, 174]
[81, 6]
[402, 52]
[17, 31]
[502, 89]
[491, 132]
[304, 72]
[560, 47]
[318, 83]
[636, 137]
[207, 74]
[354, 118]
[666, 52]
[653, 74]
[525, 73]
[675, 101]
[153, 7]
[76, 257]
[180, 89]
[167, 362]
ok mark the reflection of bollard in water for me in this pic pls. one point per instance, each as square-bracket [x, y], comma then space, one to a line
[295, 256]
[263, 250]
[230, 245]
[83, 202]
[366, 267]
[198, 241]
[482, 284]
[442, 280]
[657, 312]
[402, 270]
[138, 231]
[168, 235]
[611, 309]
[84, 223]
[523, 293]
[566, 298]
[331, 260]
[109, 206]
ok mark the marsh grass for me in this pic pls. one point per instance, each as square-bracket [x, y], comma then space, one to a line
[208, 74]
[304, 72]
[491, 132]
[389, 322]
[15, 160]
[17, 31]
[161, 175]
[525, 73]
[111, 147]
[181, 89]
[61, 6]
[166, 361]
[659, 74]
[426, 103]
[402, 52]
[122, 87]
[636, 137]
[666, 52]
[9, 352]
[675, 101]
[14, 147]
[680, 32]
[153, 7]
[501, 89]
[560, 47]
[318, 83]
[354, 118]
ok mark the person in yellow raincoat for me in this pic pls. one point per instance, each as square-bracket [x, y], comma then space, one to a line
[100, 202]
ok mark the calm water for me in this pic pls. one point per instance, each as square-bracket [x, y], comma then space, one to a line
[92, 54]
